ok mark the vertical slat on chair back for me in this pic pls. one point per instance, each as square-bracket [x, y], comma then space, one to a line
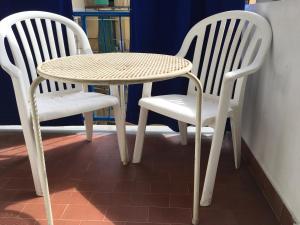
[223, 43]
[35, 40]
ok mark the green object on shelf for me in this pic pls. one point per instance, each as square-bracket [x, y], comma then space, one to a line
[106, 35]
[101, 2]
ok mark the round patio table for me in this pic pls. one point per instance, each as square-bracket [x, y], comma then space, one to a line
[114, 69]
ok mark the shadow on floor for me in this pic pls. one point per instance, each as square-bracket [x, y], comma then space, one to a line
[89, 185]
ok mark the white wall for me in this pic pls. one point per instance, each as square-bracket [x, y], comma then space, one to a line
[271, 118]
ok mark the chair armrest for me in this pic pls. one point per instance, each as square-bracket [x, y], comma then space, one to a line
[8, 67]
[228, 83]
[12, 70]
[233, 75]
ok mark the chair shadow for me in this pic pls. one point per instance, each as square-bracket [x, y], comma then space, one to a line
[16, 217]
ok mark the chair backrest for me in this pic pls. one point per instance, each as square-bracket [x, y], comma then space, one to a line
[33, 37]
[226, 42]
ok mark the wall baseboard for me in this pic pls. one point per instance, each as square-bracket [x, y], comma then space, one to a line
[279, 208]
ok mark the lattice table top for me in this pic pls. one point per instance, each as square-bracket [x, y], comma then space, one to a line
[114, 68]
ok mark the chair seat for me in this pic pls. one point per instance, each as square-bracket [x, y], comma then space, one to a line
[58, 105]
[183, 107]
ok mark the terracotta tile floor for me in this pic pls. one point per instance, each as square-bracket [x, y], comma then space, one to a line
[89, 185]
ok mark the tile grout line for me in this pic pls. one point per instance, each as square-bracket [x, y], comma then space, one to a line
[21, 211]
[18, 216]
[148, 216]
[65, 209]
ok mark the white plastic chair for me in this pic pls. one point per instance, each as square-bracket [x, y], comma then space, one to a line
[33, 37]
[229, 46]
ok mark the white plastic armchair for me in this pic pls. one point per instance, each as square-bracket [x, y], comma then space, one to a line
[33, 37]
[229, 46]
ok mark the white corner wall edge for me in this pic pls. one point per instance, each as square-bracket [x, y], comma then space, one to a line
[271, 125]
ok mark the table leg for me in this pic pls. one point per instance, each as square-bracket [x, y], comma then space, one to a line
[39, 147]
[123, 112]
[196, 198]
[120, 114]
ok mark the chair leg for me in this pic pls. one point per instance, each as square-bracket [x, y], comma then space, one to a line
[212, 165]
[88, 122]
[121, 133]
[139, 140]
[32, 154]
[183, 132]
[235, 122]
